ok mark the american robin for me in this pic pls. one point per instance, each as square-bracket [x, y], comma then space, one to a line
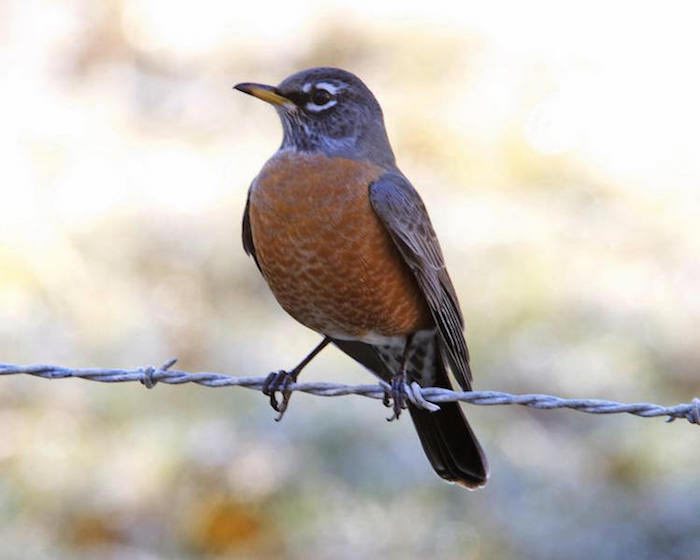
[346, 245]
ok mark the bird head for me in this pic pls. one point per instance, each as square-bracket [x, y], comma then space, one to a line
[327, 110]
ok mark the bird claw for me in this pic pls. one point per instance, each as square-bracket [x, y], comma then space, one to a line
[396, 396]
[386, 399]
[279, 381]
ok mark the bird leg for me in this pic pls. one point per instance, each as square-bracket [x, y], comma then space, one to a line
[281, 380]
[396, 393]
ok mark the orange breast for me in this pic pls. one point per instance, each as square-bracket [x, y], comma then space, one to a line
[326, 256]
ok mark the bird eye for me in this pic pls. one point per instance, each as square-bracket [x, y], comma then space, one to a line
[320, 97]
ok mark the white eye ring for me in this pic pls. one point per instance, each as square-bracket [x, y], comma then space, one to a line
[318, 108]
[330, 91]
[330, 88]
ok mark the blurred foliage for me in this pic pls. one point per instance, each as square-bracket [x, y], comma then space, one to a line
[561, 176]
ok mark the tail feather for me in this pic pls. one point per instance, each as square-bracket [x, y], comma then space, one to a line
[450, 445]
[446, 437]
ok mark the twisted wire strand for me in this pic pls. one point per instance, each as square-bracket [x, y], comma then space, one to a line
[424, 397]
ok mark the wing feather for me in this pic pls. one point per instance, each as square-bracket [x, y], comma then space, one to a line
[400, 208]
[247, 234]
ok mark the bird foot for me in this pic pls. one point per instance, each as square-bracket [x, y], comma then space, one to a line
[279, 381]
[396, 395]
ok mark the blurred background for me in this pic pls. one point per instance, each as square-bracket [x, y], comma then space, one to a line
[556, 147]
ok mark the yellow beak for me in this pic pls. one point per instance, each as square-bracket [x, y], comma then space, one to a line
[266, 93]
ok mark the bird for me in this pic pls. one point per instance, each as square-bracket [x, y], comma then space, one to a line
[346, 245]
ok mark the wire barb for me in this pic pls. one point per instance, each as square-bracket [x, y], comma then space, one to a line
[428, 398]
[150, 374]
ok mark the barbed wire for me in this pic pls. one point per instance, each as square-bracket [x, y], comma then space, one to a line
[424, 397]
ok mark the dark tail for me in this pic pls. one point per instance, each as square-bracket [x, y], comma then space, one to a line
[447, 439]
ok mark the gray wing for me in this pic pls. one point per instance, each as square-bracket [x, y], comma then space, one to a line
[403, 213]
[247, 233]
